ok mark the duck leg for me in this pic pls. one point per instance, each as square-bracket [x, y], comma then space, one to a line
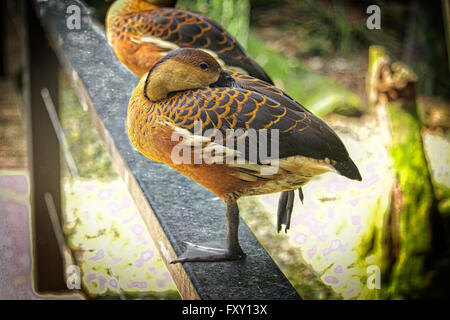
[231, 251]
[285, 206]
[300, 194]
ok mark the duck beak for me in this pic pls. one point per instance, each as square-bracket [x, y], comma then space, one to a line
[225, 80]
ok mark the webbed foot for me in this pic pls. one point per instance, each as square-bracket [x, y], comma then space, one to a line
[206, 253]
[230, 251]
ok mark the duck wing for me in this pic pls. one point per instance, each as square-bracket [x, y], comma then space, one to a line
[300, 132]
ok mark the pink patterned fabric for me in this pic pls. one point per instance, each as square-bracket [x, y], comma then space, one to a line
[15, 243]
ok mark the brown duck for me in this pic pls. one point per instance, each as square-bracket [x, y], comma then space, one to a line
[187, 87]
[142, 31]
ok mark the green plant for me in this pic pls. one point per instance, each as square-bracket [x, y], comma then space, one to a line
[347, 33]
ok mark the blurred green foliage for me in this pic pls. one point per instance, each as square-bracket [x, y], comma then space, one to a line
[84, 142]
[411, 31]
[318, 93]
[346, 33]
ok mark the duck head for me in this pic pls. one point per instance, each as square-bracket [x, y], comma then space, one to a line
[179, 70]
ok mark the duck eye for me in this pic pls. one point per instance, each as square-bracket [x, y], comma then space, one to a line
[203, 65]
